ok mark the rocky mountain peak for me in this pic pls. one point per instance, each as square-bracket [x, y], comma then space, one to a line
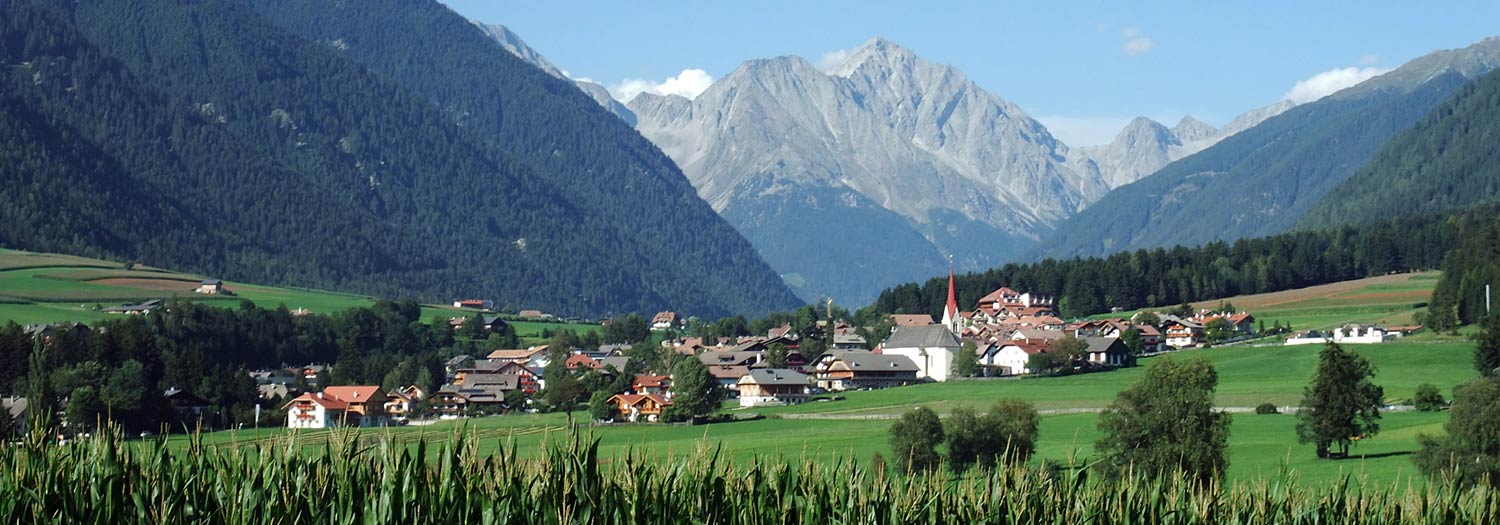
[1190, 129]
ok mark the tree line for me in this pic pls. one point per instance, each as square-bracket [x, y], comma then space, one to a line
[1163, 277]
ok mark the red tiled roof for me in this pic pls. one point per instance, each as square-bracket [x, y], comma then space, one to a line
[326, 402]
[580, 360]
[351, 394]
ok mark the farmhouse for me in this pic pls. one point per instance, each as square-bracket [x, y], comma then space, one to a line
[1011, 357]
[1182, 333]
[135, 309]
[1362, 334]
[772, 386]
[1106, 351]
[477, 304]
[663, 320]
[932, 348]
[660, 385]
[210, 287]
[856, 369]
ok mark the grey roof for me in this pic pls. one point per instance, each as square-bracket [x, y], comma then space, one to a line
[212, 282]
[458, 360]
[491, 381]
[929, 336]
[873, 361]
[848, 339]
[15, 406]
[729, 358]
[776, 376]
[617, 361]
[1104, 344]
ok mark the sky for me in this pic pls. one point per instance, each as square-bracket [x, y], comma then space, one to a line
[1083, 69]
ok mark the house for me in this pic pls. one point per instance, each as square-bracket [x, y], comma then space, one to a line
[664, 320]
[483, 396]
[652, 384]
[1361, 334]
[533, 356]
[135, 309]
[534, 315]
[903, 320]
[1182, 333]
[616, 361]
[456, 363]
[477, 304]
[856, 369]
[15, 409]
[210, 287]
[933, 348]
[527, 380]
[362, 406]
[581, 362]
[639, 407]
[188, 406]
[1309, 337]
[1036, 335]
[1106, 351]
[848, 342]
[399, 405]
[772, 386]
[728, 376]
[490, 323]
[1012, 357]
[273, 391]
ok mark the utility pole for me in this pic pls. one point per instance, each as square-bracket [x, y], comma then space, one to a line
[1486, 299]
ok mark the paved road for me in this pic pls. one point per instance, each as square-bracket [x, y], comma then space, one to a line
[1061, 411]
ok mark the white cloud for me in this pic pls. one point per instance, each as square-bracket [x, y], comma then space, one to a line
[1136, 43]
[689, 83]
[832, 59]
[1330, 82]
[1084, 131]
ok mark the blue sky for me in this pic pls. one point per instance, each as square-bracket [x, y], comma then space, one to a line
[1082, 68]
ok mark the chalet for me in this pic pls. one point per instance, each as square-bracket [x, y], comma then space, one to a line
[932, 348]
[527, 380]
[362, 406]
[210, 287]
[902, 320]
[273, 391]
[399, 405]
[452, 401]
[135, 309]
[730, 358]
[794, 360]
[728, 376]
[1182, 333]
[784, 330]
[856, 369]
[639, 407]
[772, 386]
[664, 321]
[660, 385]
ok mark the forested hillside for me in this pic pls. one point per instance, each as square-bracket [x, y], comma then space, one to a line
[1263, 180]
[1162, 277]
[1450, 159]
[205, 138]
[1460, 296]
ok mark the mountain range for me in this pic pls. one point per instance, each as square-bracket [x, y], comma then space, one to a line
[1262, 180]
[871, 173]
[387, 148]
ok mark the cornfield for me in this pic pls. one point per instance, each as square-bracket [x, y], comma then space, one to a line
[368, 479]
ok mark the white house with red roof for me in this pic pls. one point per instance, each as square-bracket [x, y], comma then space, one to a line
[362, 406]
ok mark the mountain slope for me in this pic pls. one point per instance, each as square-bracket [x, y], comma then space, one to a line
[250, 153]
[515, 45]
[892, 155]
[1448, 160]
[1262, 180]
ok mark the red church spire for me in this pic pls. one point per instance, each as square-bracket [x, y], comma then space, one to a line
[950, 311]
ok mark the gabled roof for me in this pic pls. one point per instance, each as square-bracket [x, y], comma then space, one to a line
[726, 358]
[636, 399]
[902, 320]
[1030, 347]
[872, 362]
[651, 381]
[774, 376]
[728, 372]
[617, 361]
[581, 361]
[525, 353]
[326, 402]
[1105, 345]
[931, 336]
[497, 381]
[352, 394]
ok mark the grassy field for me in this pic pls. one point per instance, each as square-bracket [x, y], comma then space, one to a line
[48, 288]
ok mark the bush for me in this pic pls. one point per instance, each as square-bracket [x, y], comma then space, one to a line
[1429, 399]
[1266, 408]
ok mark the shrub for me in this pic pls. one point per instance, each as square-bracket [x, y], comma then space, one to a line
[1266, 408]
[1429, 399]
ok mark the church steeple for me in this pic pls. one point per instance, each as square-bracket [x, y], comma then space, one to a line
[950, 310]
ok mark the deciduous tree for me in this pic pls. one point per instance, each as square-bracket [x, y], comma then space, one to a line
[914, 440]
[1165, 424]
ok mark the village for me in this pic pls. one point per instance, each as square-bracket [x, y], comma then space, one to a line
[1006, 334]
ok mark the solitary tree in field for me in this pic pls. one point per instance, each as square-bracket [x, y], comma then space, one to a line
[1165, 424]
[1470, 453]
[914, 440]
[1487, 353]
[1341, 405]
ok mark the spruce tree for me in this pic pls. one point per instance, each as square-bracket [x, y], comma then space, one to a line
[1341, 405]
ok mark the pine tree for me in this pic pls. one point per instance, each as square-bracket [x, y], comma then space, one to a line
[1487, 351]
[1341, 405]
